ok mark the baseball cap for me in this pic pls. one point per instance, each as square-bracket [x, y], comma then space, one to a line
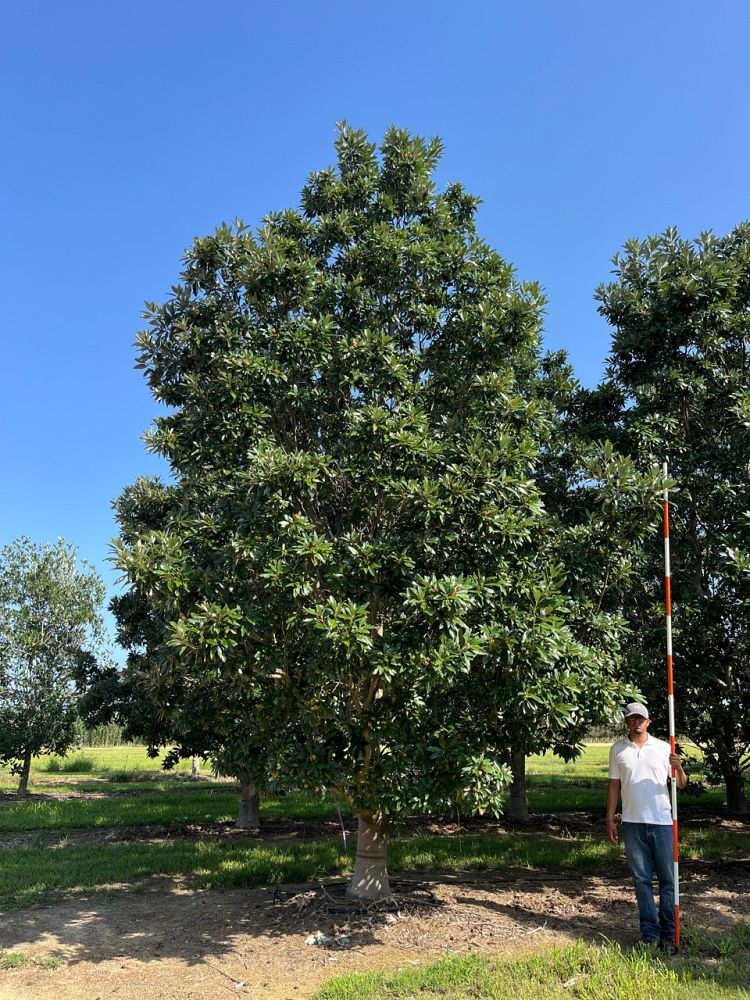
[635, 708]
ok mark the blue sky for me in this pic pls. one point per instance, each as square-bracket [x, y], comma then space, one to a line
[129, 128]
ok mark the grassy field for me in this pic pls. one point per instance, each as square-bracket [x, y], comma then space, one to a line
[68, 839]
[553, 784]
[716, 970]
[590, 766]
[127, 788]
[36, 873]
[193, 803]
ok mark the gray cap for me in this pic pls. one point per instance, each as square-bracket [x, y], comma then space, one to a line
[635, 708]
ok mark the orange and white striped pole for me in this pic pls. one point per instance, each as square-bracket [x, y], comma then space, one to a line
[670, 696]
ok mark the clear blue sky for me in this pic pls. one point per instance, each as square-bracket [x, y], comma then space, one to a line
[129, 128]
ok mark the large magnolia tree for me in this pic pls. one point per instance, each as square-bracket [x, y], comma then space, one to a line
[677, 389]
[358, 551]
[50, 629]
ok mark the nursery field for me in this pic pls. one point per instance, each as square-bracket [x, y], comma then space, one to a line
[118, 879]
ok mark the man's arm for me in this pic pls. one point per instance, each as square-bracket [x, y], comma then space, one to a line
[613, 797]
[676, 763]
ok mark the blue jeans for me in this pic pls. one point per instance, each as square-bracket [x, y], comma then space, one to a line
[648, 848]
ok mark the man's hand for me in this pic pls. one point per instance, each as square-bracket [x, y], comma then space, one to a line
[676, 763]
[613, 797]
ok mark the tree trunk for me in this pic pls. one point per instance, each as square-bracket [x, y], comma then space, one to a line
[249, 815]
[518, 803]
[370, 877]
[195, 771]
[737, 801]
[24, 782]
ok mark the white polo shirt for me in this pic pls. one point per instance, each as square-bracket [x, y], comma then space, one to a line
[643, 773]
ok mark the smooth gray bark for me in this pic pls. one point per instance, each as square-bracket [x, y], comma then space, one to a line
[24, 781]
[248, 816]
[518, 802]
[369, 881]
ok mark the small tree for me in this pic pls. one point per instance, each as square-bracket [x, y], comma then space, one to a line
[677, 388]
[50, 626]
[357, 549]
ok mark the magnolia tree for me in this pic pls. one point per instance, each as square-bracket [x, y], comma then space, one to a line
[358, 555]
[50, 629]
[677, 388]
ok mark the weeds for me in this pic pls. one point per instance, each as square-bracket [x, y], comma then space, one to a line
[17, 959]
[48, 962]
[79, 764]
[12, 959]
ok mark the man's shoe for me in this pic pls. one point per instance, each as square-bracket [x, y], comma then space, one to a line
[649, 942]
[668, 947]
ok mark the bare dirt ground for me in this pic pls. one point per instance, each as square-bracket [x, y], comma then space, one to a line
[166, 942]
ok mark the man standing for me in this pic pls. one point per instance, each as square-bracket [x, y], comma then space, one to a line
[639, 766]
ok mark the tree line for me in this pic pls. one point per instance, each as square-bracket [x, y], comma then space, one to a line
[401, 547]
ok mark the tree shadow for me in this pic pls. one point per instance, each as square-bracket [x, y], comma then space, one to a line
[160, 919]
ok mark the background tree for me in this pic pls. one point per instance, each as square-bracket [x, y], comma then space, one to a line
[599, 510]
[357, 542]
[677, 388]
[50, 627]
[154, 697]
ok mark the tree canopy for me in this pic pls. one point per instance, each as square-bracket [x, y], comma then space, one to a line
[355, 557]
[50, 630]
[677, 388]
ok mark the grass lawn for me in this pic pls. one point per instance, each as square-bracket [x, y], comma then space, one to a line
[541, 768]
[714, 970]
[94, 760]
[199, 803]
[31, 874]
[156, 796]
[155, 799]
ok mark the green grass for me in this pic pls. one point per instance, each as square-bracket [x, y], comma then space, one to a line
[125, 758]
[501, 852]
[79, 763]
[188, 804]
[564, 798]
[17, 959]
[591, 765]
[12, 959]
[31, 874]
[47, 961]
[586, 972]
[34, 874]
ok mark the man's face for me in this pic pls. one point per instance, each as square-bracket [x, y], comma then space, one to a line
[637, 725]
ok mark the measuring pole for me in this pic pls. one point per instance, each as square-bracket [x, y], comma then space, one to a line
[670, 696]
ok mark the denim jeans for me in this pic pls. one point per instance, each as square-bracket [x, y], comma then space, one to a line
[648, 848]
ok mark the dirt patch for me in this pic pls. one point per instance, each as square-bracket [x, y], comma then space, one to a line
[165, 942]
